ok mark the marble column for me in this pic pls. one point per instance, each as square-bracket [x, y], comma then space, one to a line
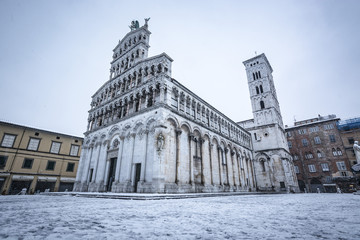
[143, 170]
[119, 159]
[83, 159]
[191, 154]
[211, 164]
[177, 160]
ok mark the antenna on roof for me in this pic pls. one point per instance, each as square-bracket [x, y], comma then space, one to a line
[255, 53]
[294, 119]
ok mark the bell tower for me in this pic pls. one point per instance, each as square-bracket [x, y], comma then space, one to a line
[273, 162]
[265, 105]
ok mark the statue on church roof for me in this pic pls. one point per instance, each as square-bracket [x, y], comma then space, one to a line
[134, 25]
[146, 21]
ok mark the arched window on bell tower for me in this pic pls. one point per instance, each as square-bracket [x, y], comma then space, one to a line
[257, 90]
[262, 163]
[262, 104]
[261, 89]
[259, 74]
[254, 76]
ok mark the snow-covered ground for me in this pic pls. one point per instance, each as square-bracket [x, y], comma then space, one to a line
[297, 216]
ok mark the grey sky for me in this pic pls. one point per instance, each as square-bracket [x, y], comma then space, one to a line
[55, 54]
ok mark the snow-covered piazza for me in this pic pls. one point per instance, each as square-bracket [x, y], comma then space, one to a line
[278, 216]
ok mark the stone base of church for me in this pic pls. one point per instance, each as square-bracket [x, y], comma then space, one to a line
[160, 187]
[118, 187]
[80, 187]
[97, 187]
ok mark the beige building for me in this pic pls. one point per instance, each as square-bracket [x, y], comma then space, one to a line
[36, 159]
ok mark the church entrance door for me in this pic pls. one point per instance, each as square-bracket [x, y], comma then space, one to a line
[137, 175]
[111, 176]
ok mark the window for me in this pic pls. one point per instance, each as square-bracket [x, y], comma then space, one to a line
[341, 166]
[339, 152]
[351, 140]
[288, 134]
[33, 144]
[55, 147]
[174, 100]
[257, 90]
[70, 167]
[319, 154]
[28, 162]
[328, 179]
[262, 104]
[296, 169]
[74, 151]
[262, 165]
[305, 142]
[325, 167]
[334, 152]
[328, 126]
[296, 157]
[314, 129]
[50, 165]
[312, 168]
[3, 160]
[309, 155]
[8, 140]
[290, 144]
[317, 140]
[261, 88]
[332, 138]
[223, 158]
[302, 131]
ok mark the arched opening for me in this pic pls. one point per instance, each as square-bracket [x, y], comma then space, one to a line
[257, 90]
[262, 164]
[334, 152]
[262, 104]
[261, 89]
[339, 152]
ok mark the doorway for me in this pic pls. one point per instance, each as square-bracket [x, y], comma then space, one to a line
[111, 177]
[137, 175]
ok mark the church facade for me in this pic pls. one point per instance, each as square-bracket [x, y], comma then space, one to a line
[148, 133]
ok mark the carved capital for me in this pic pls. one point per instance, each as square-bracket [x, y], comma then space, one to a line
[226, 150]
[191, 137]
[178, 131]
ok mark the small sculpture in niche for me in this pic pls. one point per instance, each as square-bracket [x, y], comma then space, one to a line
[115, 143]
[160, 142]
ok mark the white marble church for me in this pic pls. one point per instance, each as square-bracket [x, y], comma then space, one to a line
[148, 133]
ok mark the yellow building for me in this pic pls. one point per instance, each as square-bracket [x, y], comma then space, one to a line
[37, 159]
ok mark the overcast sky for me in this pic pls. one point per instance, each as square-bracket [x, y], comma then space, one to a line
[54, 55]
